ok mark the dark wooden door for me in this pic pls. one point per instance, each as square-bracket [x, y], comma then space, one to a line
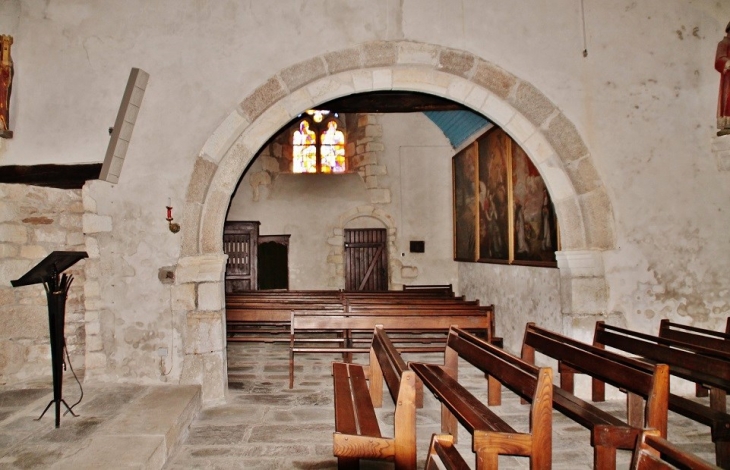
[366, 259]
[240, 240]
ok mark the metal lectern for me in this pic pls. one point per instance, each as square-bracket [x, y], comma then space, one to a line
[48, 272]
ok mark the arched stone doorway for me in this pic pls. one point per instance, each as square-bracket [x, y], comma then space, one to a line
[536, 124]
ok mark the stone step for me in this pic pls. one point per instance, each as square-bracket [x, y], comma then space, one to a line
[122, 425]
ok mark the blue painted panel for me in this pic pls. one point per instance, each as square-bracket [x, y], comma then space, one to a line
[458, 126]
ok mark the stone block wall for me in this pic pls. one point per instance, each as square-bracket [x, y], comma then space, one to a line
[34, 222]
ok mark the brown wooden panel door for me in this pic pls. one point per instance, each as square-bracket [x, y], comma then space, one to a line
[366, 259]
[240, 240]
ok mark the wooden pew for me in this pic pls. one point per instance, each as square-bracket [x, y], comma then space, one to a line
[357, 433]
[307, 328]
[268, 322]
[442, 451]
[444, 289]
[653, 452]
[684, 363]
[607, 432]
[491, 435]
[698, 337]
[263, 316]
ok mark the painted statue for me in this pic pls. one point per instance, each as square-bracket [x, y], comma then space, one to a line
[722, 65]
[6, 81]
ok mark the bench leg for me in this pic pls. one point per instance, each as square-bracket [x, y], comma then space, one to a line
[701, 391]
[487, 460]
[599, 390]
[348, 463]
[347, 357]
[718, 399]
[449, 425]
[494, 391]
[419, 393]
[635, 410]
[722, 454]
[567, 381]
[604, 458]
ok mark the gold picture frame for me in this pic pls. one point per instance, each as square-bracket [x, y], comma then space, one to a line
[503, 212]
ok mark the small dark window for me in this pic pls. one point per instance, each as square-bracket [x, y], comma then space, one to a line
[418, 246]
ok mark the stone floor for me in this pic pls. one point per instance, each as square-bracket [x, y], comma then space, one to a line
[263, 425]
[118, 426]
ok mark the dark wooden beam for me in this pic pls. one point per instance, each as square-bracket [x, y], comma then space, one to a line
[390, 102]
[53, 176]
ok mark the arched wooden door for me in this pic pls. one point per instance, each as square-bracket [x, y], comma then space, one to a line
[366, 259]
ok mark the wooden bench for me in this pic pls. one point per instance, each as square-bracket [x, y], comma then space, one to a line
[442, 454]
[684, 363]
[491, 435]
[307, 330]
[444, 289]
[268, 322]
[357, 432]
[698, 337]
[653, 452]
[608, 433]
[263, 316]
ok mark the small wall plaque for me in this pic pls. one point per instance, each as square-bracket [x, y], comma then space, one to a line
[418, 246]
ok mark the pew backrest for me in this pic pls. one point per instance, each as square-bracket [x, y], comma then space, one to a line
[686, 362]
[695, 336]
[651, 382]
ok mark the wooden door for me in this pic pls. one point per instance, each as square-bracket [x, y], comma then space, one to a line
[240, 241]
[366, 259]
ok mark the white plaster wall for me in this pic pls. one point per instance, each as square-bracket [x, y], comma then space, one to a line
[643, 100]
[417, 162]
[418, 158]
[520, 294]
[307, 207]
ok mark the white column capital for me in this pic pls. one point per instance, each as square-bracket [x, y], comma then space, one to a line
[205, 268]
[580, 263]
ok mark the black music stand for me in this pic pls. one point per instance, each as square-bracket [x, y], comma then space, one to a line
[48, 272]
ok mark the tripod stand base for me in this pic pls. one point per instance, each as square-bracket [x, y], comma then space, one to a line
[58, 410]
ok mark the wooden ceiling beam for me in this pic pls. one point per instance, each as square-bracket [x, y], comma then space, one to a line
[53, 176]
[390, 102]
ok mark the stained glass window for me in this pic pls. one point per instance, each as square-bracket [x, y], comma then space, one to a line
[318, 145]
[305, 149]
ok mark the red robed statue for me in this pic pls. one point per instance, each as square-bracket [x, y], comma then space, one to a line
[722, 65]
[6, 84]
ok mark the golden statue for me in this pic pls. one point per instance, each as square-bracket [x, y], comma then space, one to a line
[6, 84]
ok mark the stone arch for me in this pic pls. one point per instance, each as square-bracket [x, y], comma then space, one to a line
[549, 138]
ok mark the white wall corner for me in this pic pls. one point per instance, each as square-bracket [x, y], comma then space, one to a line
[580, 263]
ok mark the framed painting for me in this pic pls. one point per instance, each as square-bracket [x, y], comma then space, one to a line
[494, 157]
[535, 226]
[466, 200]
